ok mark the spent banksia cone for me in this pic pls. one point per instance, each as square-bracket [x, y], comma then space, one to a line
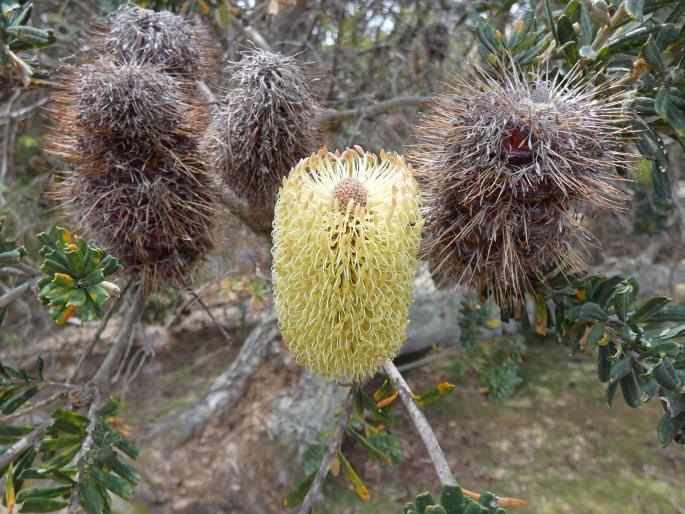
[267, 123]
[346, 231]
[161, 38]
[139, 186]
[507, 161]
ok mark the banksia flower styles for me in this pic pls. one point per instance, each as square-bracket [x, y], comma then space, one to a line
[346, 232]
[266, 125]
[129, 123]
[507, 161]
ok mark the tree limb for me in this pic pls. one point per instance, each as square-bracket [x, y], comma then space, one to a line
[22, 444]
[368, 111]
[15, 293]
[314, 493]
[104, 373]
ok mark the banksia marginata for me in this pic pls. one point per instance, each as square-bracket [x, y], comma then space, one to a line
[267, 123]
[139, 187]
[507, 161]
[346, 232]
[160, 38]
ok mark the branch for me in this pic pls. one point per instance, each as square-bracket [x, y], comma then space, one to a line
[15, 293]
[314, 493]
[83, 451]
[22, 444]
[368, 111]
[104, 373]
[249, 32]
[422, 427]
[227, 389]
[98, 333]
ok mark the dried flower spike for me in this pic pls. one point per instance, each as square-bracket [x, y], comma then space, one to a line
[266, 125]
[144, 36]
[346, 232]
[507, 160]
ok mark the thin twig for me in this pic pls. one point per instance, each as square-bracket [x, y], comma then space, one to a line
[98, 333]
[22, 444]
[102, 377]
[314, 493]
[422, 426]
[369, 111]
[15, 293]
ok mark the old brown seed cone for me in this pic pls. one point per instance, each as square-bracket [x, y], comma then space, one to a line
[508, 161]
[162, 38]
[267, 123]
[129, 125]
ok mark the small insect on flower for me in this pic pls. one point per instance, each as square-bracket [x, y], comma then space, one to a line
[346, 232]
[508, 160]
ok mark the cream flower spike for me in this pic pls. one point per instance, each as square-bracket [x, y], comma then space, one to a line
[346, 232]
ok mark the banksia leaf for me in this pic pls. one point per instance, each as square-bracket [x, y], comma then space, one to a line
[346, 233]
[266, 125]
[75, 276]
[507, 161]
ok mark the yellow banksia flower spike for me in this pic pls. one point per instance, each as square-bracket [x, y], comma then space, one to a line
[346, 232]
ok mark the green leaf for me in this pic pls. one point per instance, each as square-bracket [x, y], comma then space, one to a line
[91, 497]
[296, 495]
[620, 369]
[673, 332]
[631, 390]
[121, 468]
[668, 111]
[652, 56]
[611, 392]
[587, 28]
[648, 309]
[373, 451]
[43, 505]
[20, 400]
[587, 312]
[68, 421]
[118, 486]
[629, 41]
[351, 475]
[10, 496]
[550, 21]
[669, 313]
[665, 430]
[43, 492]
[521, 28]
